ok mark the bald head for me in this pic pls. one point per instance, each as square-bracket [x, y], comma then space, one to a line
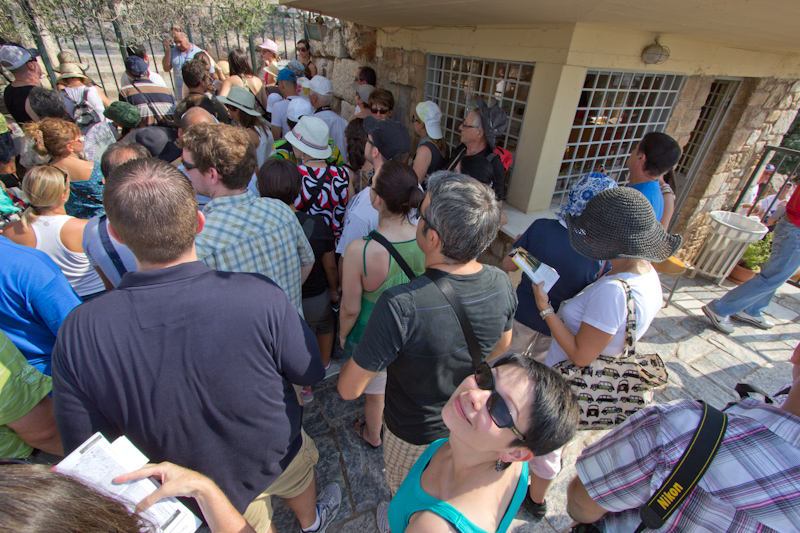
[196, 115]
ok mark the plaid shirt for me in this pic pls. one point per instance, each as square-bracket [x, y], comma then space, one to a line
[244, 233]
[753, 483]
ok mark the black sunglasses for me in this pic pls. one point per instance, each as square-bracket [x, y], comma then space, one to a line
[302, 49]
[188, 166]
[497, 407]
[378, 111]
[63, 172]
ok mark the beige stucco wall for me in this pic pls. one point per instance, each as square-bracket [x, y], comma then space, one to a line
[595, 46]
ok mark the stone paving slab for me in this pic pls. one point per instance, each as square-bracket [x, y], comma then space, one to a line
[702, 362]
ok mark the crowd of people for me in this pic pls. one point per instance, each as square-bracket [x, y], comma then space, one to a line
[180, 266]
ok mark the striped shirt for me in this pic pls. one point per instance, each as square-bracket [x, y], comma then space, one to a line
[753, 483]
[22, 387]
[148, 98]
[244, 233]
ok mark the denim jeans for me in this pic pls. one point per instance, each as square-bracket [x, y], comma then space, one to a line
[754, 295]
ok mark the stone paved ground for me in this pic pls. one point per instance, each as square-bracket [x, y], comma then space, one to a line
[702, 363]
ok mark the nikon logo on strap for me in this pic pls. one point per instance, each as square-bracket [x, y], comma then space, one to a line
[669, 495]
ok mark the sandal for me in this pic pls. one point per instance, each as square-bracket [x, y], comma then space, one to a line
[358, 427]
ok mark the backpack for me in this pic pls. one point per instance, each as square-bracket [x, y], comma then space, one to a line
[82, 113]
[506, 157]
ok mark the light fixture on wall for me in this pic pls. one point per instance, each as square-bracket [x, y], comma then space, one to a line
[655, 54]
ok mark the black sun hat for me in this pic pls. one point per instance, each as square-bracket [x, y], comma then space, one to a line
[620, 223]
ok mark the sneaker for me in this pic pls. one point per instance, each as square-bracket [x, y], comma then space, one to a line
[382, 517]
[307, 395]
[759, 321]
[538, 510]
[328, 502]
[722, 323]
[333, 369]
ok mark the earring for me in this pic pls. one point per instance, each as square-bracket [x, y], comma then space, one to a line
[498, 466]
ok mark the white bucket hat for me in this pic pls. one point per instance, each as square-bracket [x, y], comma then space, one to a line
[310, 136]
[430, 115]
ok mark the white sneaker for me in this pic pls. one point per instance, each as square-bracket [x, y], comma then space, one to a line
[307, 396]
[333, 370]
[722, 323]
[382, 517]
[759, 321]
[328, 502]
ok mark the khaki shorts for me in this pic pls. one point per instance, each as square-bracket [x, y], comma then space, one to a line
[398, 456]
[527, 341]
[377, 385]
[291, 483]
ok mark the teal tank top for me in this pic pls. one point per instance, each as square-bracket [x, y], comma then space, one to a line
[410, 498]
[408, 250]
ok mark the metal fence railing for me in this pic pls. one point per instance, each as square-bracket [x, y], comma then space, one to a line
[102, 43]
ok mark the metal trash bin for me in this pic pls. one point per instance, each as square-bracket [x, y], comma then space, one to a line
[725, 245]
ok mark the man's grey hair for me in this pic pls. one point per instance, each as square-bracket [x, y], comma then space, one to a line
[324, 99]
[478, 122]
[119, 153]
[465, 214]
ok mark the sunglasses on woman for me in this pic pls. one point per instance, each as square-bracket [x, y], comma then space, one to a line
[302, 49]
[378, 111]
[498, 409]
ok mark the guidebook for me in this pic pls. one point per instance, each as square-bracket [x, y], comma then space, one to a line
[96, 462]
[534, 269]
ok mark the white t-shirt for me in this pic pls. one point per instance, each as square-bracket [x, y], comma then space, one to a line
[359, 219]
[152, 76]
[336, 127]
[278, 111]
[602, 305]
[75, 95]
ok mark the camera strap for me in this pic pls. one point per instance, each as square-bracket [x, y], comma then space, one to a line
[690, 469]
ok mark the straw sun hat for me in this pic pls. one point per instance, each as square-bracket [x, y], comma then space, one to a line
[620, 223]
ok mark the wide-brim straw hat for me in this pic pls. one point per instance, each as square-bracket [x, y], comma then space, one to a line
[70, 70]
[620, 223]
[241, 99]
[310, 136]
[65, 56]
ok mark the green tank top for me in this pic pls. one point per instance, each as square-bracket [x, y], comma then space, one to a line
[408, 250]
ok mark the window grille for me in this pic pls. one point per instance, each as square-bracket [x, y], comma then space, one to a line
[615, 111]
[453, 82]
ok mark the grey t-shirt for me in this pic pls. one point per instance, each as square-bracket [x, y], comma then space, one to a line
[415, 335]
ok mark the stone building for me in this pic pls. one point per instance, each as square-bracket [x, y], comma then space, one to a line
[583, 81]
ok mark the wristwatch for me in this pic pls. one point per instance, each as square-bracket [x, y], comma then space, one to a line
[548, 311]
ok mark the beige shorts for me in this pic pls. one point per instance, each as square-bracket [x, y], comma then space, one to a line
[377, 385]
[291, 483]
[527, 341]
[398, 456]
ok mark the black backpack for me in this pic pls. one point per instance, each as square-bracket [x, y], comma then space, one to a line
[82, 113]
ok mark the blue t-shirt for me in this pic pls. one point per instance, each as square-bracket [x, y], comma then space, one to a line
[652, 191]
[548, 241]
[410, 498]
[35, 298]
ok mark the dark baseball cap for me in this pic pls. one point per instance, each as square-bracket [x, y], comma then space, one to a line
[388, 136]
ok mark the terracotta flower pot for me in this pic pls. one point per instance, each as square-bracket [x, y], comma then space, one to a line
[740, 274]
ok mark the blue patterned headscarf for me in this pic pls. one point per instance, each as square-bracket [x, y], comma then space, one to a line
[583, 191]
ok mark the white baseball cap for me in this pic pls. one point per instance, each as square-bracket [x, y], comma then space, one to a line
[310, 136]
[273, 99]
[430, 115]
[297, 108]
[13, 56]
[320, 85]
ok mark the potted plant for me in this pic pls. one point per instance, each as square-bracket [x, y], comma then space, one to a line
[755, 255]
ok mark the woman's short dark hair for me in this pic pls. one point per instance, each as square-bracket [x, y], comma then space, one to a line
[47, 103]
[356, 139]
[661, 152]
[478, 167]
[554, 417]
[382, 97]
[279, 179]
[396, 183]
[35, 499]
[239, 63]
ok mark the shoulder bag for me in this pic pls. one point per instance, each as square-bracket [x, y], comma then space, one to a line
[610, 389]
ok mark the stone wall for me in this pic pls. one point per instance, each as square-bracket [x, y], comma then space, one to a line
[760, 114]
[348, 46]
